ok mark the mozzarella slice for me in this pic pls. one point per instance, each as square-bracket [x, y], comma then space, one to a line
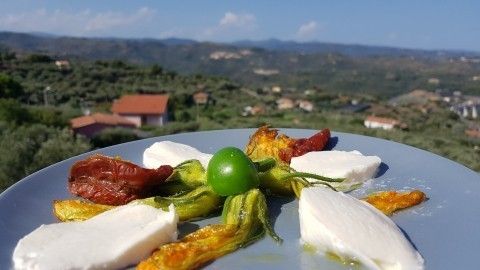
[114, 239]
[172, 153]
[353, 166]
[353, 229]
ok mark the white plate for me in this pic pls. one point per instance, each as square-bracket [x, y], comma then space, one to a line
[445, 229]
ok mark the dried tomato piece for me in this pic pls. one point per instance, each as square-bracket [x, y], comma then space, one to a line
[266, 142]
[113, 181]
[302, 146]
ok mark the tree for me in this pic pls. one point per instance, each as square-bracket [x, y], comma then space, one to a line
[156, 70]
[26, 149]
[58, 147]
[6, 55]
[9, 88]
[39, 58]
[13, 112]
[112, 136]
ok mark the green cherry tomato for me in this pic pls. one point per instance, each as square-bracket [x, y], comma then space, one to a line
[231, 172]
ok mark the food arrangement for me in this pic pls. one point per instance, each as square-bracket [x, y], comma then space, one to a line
[181, 181]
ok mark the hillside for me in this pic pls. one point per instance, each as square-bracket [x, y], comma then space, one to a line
[38, 98]
[333, 68]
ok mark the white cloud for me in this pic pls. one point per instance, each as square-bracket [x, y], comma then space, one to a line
[231, 19]
[231, 25]
[307, 30]
[73, 23]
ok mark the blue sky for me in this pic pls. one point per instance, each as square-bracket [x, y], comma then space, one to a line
[412, 24]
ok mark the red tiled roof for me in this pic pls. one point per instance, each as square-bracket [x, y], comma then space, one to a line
[100, 118]
[382, 120]
[141, 104]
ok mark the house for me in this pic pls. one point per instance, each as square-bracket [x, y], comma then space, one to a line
[143, 109]
[255, 110]
[305, 105]
[265, 72]
[285, 103]
[276, 89]
[90, 125]
[62, 64]
[434, 81]
[382, 122]
[309, 92]
[219, 55]
[445, 94]
[473, 133]
[200, 97]
[467, 109]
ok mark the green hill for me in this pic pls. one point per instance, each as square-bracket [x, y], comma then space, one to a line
[332, 67]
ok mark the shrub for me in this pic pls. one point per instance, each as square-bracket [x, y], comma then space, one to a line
[9, 88]
[112, 136]
[176, 127]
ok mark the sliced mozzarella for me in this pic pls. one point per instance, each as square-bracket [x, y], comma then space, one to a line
[172, 153]
[114, 239]
[353, 166]
[353, 229]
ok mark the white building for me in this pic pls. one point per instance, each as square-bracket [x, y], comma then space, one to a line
[381, 122]
[285, 103]
[305, 105]
[467, 110]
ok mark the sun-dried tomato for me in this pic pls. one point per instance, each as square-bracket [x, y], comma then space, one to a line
[113, 181]
[302, 146]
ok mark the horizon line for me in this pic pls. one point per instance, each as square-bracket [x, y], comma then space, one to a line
[51, 35]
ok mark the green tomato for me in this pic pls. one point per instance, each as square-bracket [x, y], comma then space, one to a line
[231, 172]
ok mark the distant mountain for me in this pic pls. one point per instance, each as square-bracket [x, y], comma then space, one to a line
[347, 49]
[176, 41]
[331, 67]
[49, 43]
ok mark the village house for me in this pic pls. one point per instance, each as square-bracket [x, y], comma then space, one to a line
[265, 72]
[305, 105]
[467, 109]
[285, 103]
[383, 123]
[219, 55]
[143, 109]
[200, 98]
[473, 132]
[62, 64]
[276, 89]
[90, 125]
[255, 110]
[434, 81]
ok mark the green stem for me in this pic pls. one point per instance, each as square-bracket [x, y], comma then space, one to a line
[314, 176]
[184, 197]
[323, 184]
